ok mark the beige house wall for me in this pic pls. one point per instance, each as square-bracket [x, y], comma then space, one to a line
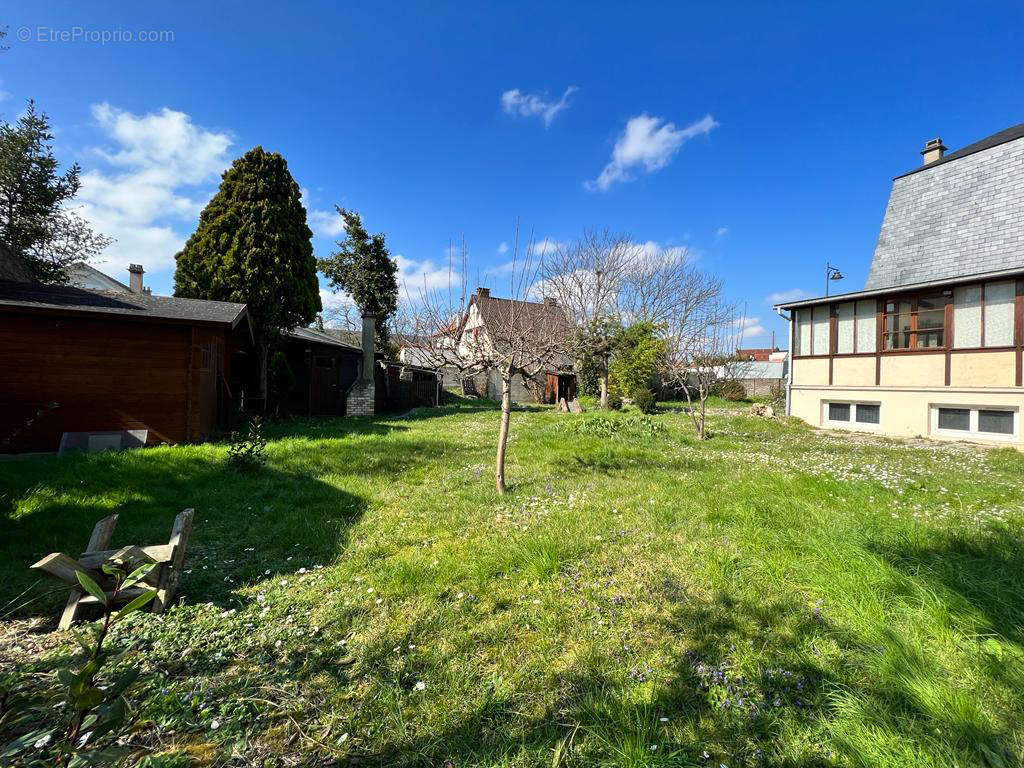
[982, 369]
[812, 370]
[906, 411]
[913, 370]
[853, 371]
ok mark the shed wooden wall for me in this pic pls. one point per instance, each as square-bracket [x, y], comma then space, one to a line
[102, 374]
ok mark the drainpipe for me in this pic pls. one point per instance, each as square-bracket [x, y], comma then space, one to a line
[789, 360]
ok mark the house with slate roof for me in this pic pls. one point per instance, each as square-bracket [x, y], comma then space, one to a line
[932, 346]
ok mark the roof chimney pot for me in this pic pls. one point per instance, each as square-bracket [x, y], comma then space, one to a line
[135, 272]
[933, 150]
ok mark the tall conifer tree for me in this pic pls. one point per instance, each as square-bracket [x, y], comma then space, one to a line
[253, 245]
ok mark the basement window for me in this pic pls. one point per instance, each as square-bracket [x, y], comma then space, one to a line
[865, 414]
[989, 422]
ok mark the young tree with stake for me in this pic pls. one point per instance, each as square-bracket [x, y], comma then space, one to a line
[513, 336]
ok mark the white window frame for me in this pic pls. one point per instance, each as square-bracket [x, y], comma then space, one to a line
[852, 423]
[972, 433]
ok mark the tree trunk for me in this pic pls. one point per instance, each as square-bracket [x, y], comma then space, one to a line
[506, 412]
[264, 350]
[604, 389]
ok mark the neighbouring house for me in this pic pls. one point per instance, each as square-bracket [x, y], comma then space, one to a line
[761, 354]
[82, 275]
[80, 362]
[933, 344]
[484, 315]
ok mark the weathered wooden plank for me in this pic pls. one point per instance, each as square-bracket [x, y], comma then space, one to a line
[63, 567]
[102, 533]
[170, 574]
[158, 553]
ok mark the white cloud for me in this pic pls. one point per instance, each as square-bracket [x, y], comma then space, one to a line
[647, 143]
[515, 102]
[793, 294]
[721, 232]
[148, 197]
[749, 328]
[503, 248]
[545, 246]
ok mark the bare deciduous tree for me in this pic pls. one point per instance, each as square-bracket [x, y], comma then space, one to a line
[701, 338]
[606, 280]
[482, 334]
[589, 278]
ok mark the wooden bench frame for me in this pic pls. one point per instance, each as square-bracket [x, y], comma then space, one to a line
[166, 576]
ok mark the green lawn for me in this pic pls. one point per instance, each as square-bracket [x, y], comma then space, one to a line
[774, 596]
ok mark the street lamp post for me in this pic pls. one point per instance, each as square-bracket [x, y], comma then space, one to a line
[831, 273]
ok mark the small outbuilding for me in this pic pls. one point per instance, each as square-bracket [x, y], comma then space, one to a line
[75, 361]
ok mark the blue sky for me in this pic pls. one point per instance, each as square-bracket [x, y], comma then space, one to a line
[762, 136]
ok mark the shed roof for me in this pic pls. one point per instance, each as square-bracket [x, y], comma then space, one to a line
[36, 297]
[322, 337]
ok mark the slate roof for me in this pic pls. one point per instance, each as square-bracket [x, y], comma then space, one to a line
[1008, 134]
[959, 216]
[35, 297]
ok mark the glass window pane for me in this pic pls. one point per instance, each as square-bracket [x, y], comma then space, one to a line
[820, 324]
[803, 332]
[929, 339]
[999, 314]
[998, 422]
[967, 316]
[866, 326]
[868, 414]
[844, 328]
[955, 418]
[931, 318]
[838, 411]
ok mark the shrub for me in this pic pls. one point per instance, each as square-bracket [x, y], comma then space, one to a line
[644, 399]
[246, 450]
[615, 401]
[637, 354]
[729, 389]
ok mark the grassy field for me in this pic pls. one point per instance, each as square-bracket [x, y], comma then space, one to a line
[775, 596]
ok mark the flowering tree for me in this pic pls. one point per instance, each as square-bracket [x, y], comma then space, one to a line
[511, 336]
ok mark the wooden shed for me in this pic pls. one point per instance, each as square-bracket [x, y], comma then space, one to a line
[74, 360]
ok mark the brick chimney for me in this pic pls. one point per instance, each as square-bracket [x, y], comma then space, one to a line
[135, 272]
[362, 396]
[550, 301]
[933, 150]
[483, 293]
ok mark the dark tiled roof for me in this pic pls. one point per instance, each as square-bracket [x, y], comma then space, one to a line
[62, 298]
[1009, 134]
[523, 316]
